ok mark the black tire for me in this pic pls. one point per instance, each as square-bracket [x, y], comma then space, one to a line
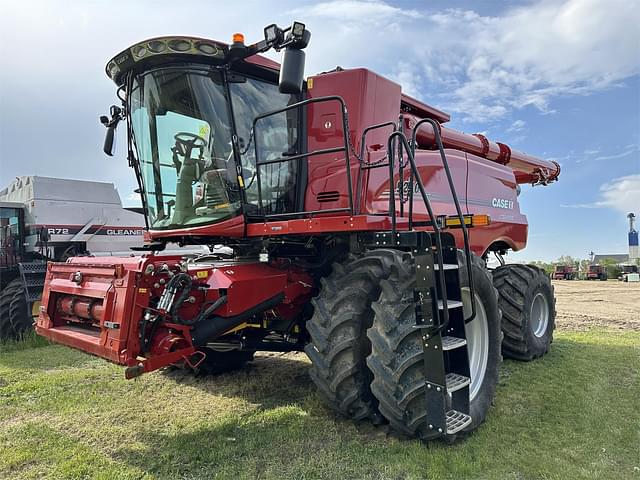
[339, 345]
[216, 362]
[396, 358]
[518, 286]
[15, 318]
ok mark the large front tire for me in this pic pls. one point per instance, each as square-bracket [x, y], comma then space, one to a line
[396, 358]
[339, 344]
[528, 310]
[15, 320]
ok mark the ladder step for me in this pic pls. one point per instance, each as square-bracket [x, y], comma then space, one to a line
[456, 381]
[446, 266]
[450, 304]
[457, 421]
[451, 343]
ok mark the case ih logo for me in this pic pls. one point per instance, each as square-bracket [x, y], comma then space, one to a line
[502, 203]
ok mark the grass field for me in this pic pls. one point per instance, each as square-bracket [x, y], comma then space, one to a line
[64, 414]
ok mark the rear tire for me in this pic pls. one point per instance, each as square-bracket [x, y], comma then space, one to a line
[339, 345]
[396, 358]
[15, 319]
[528, 310]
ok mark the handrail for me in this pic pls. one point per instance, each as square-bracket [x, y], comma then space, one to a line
[465, 234]
[427, 202]
[361, 156]
[345, 148]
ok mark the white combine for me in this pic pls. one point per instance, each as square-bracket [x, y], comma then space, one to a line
[43, 218]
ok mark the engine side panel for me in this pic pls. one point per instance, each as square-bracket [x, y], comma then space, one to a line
[492, 189]
[370, 99]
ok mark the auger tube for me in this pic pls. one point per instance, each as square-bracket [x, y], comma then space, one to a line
[527, 168]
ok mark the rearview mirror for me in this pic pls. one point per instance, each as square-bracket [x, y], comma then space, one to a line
[109, 141]
[117, 114]
[292, 71]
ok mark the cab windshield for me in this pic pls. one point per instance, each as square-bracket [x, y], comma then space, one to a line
[182, 136]
[183, 139]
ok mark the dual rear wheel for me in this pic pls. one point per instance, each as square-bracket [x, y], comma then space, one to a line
[528, 310]
[367, 355]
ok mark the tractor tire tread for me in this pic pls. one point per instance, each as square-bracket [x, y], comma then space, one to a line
[339, 345]
[397, 358]
[14, 314]
[513, 283]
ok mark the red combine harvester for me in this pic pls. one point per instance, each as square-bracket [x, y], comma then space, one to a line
[564, 272]
[356, 228]
[597, 272]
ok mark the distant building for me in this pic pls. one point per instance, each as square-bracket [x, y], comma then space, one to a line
[623, 258]
[619, 258]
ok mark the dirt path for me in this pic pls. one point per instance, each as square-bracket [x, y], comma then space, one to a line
[587, 304]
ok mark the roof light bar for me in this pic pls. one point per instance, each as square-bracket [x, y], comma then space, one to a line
[163, 46]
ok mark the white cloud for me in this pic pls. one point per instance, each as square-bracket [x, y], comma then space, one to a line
[628, 151]
[516, 126]
[360, 11]
[535, 53]
[622, 194]
[406, 74]
[589, 155]
[593, 151]
[484, 67]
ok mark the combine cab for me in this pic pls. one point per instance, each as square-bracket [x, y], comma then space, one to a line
[355, 225]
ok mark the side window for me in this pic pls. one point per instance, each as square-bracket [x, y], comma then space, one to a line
[277, 137]
[9, 233]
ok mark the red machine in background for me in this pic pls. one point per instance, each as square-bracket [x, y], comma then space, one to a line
[564, 272]
[597, 272]
[354, 224]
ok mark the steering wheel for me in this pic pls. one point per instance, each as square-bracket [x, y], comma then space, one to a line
[186, 142]
[190, 139]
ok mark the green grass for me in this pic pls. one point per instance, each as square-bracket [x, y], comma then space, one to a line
[63, 414]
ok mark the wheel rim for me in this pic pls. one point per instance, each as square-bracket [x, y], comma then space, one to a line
[477, 333]
[539, 317]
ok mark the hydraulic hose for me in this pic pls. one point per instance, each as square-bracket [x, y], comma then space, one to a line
[205, 330]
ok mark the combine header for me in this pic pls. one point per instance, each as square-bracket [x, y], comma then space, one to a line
[356, 227]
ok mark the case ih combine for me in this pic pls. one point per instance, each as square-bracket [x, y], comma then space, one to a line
[356, 225]
[564, 272]
[597, 272]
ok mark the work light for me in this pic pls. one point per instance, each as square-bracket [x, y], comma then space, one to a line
[297, 30]
[271, 33]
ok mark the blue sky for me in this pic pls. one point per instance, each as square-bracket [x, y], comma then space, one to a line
[558, 79]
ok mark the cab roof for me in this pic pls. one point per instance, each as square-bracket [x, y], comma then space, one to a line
[175, 48]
